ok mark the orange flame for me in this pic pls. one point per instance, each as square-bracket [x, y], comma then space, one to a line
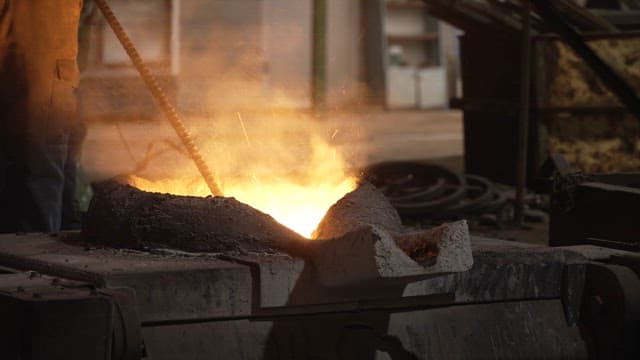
[281, 167]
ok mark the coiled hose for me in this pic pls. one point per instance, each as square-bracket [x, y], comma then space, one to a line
[162, 99]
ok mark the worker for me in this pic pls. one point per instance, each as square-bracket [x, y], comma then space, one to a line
[38, 106]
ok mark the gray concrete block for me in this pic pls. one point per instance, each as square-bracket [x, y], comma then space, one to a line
[167, 287]
[371, 254]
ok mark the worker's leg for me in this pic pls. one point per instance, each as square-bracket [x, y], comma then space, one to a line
[70, 216]
[52, 117]
[45, 32]
[45, 181]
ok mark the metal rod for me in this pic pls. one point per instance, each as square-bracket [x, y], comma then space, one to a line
[159, 95]
[523, 120]
[579, 12]
[319, 80]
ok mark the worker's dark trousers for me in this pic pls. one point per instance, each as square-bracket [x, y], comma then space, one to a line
[38, 77]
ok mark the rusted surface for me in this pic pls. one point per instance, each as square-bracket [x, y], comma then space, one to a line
[422, 246]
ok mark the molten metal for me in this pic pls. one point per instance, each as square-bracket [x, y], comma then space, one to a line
[294, 176]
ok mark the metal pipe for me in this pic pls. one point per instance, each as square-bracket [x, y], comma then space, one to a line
[159, 95]
[319, 53]
[523, 120]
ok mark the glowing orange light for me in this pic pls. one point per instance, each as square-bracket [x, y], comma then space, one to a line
[294, 181]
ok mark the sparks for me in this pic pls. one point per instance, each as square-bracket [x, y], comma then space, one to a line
[244, 130]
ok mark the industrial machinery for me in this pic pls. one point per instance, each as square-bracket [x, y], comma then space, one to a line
[581, 90]
[365, 288]
[64, 297]
[61, 301]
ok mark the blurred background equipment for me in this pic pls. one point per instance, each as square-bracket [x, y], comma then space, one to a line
[298, 104]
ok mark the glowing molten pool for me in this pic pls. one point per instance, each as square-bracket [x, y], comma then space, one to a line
[292, 175]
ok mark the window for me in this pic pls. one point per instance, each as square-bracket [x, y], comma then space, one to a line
[151, 25]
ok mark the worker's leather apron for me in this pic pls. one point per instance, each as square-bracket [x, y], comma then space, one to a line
[38, 77]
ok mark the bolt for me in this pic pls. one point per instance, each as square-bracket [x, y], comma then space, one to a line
[595, 304]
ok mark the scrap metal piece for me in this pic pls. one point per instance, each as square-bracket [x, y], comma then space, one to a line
[421, 189]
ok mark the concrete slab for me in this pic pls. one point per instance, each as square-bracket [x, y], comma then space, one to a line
[370, 254]
[167, 287]
[362, 240]
[32, 281]
[178, 286]
[274, 278]
[502, 272]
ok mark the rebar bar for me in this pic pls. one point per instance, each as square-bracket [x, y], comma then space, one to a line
[159, 95]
